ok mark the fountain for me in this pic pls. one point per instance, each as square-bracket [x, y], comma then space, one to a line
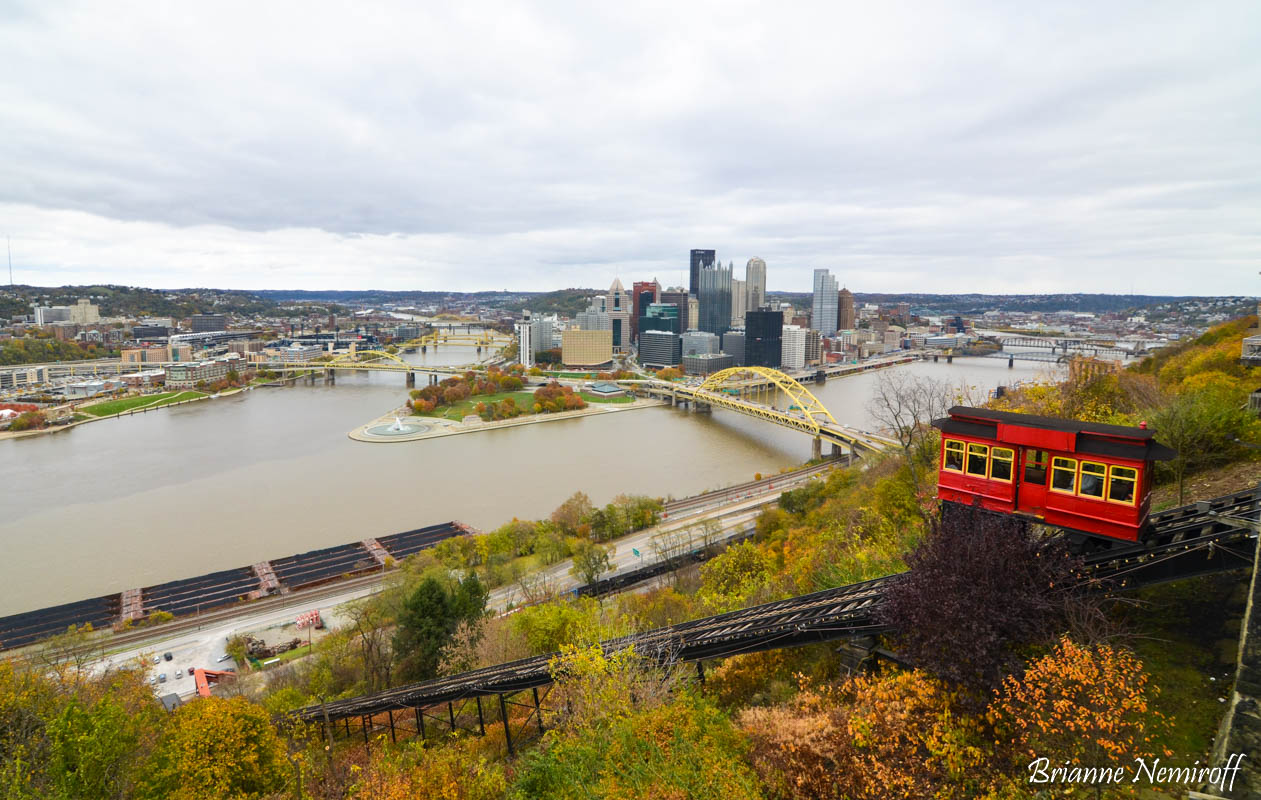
[395, 429]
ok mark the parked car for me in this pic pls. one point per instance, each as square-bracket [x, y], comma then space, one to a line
[157, 659]
[168, 656]
[224, 657]
[179, 673]
[153, 679]
[162, 678]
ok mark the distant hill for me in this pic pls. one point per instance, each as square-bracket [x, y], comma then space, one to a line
[979, 303]
[135, 301]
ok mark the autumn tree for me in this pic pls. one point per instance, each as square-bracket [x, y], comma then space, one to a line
[573, 512]
[884, 737]
[591, 560]
[735, 578]
[1203, 426]
[1089, 706]
[905, 406]
[980, 586]
[216, 747]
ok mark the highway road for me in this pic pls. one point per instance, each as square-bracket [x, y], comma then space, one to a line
[202, 643]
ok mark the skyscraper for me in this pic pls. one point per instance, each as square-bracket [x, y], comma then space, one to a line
[678, 296]
[823, 315]
[660, 317]
[755, 283]
[715, 299]
[793, 354]
[700, 258]
[845, 319]
[763, 338]
[619, 310]
[739, 302]
[525, 340]
[642, 294]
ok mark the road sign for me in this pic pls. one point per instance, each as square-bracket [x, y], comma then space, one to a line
[636, 552]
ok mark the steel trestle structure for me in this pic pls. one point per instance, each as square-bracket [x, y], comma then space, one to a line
[1183, 542]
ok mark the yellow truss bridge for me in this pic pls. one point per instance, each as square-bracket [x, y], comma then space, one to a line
[757, 391]
[482, 338]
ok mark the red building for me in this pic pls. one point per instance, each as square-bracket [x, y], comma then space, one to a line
[638, 302]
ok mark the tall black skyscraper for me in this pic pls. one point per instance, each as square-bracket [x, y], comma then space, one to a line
[700, 258]
[763, 338]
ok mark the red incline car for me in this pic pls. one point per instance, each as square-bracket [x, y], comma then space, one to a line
[1082, 476]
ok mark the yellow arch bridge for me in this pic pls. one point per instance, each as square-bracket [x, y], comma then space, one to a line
[365, 361]
[760, 392]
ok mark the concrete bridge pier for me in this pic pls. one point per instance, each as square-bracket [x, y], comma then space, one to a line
[950, 359]
[1011, 362]
[703, 408]
[837, 452]
[424, 348]
[330, 376]
[411, 379]
[936, 358]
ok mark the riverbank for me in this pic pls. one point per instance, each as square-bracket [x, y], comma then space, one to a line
[377, 431]
[144, 409]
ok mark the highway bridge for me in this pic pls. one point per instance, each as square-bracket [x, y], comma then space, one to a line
[1191, 540]
[770, 395]
[1066, 347]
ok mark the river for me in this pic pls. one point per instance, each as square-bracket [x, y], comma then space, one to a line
[152, 497]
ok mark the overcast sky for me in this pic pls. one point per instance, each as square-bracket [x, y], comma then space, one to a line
[954, 147]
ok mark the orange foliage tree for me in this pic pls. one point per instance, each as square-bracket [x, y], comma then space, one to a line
[1088, 706]
[890, 736]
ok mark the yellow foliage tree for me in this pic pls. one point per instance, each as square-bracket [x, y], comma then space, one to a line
[216, 747]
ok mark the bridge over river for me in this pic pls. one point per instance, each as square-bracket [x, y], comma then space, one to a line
[769, 395]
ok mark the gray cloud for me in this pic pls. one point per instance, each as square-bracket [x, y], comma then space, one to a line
[951, 146]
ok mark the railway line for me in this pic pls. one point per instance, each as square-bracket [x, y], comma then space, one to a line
[1184, 542]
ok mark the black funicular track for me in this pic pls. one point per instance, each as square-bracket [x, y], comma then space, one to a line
[1183, 542]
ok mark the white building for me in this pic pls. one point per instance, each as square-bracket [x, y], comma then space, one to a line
[47, 315]
[793, 348]
[525, 341]
[298, 352]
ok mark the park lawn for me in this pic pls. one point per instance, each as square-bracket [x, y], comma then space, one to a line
[111, 407]
[595, 398]
[126, 404]
[457, 412]
[576, 375]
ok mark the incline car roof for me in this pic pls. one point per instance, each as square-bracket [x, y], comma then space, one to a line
[1099, 439]
[1050, 423]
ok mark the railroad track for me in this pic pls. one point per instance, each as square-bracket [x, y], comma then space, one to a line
[1184, 542]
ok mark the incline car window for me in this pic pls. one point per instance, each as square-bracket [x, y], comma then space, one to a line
[1121, 484]
[1035, 467]
[953, 458]
[978, 460]
[1000, 464]
[1063, 475]
[1093, 477]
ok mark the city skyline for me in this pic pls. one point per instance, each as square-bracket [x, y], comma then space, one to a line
[1101, 147]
